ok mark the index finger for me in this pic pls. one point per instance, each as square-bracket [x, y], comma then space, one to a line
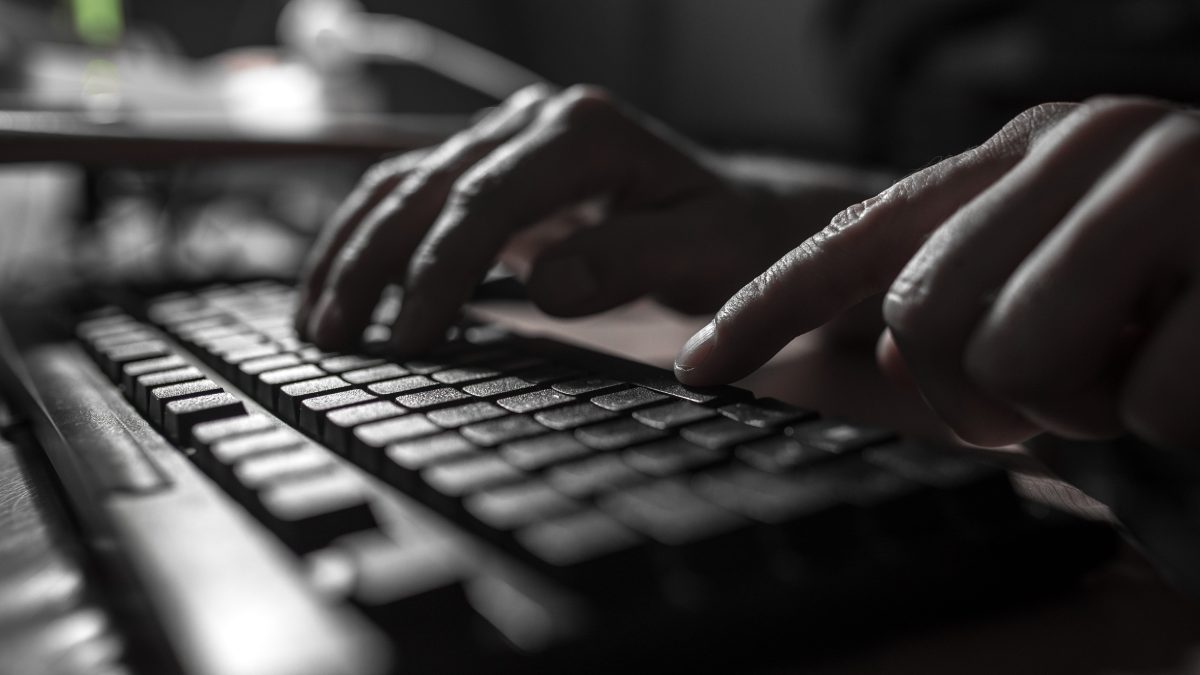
[855, 257]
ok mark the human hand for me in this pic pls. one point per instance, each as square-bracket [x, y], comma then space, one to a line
[436, 220]
[1043, 281]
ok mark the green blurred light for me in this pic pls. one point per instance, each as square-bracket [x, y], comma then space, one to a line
[98, 22]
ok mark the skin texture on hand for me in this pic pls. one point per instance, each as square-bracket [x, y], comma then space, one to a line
[1043, 281]
[434, 221]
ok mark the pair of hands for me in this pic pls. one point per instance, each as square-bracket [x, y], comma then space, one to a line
[1042, 281]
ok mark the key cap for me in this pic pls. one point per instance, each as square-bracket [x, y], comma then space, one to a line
[629, 399]
[271, 381]
[181, 415]
[569, 417]
[111, 360]
[144, 383]
[131, 371]
[310, 513]
[313, 410]
[586, 547]
[253, 474]
[673, 414]
[401, 385]
[502, 430]
[534, 401]
[593, 475]
[339, 424]
[721, 433]
[248, 371]
[468, 413]
[670, 457]
[158, 397]
[387, 371]
[205, 434]
[409, 588]
[371, 439]
[465, 375]
[224, 454]
[620, 433]
[503, 386]
[779, 454]
[585, 385]
[766, 413]
[669, 513]
[403, 461]
[235, 357]
[838, 437]
[451, 480]
[514, 506]
[287, 401]
[431, 398]
[535, 453]
[896, 505]
[340, 364]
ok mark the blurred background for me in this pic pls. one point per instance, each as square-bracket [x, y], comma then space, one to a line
[889, 84]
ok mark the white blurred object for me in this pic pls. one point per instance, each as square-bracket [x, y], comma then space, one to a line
[334, 35]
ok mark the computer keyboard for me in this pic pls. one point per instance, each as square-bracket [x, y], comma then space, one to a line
[629, 518]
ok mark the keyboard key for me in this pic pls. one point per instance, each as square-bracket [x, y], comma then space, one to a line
[131, 371]
[779, 454]
[181, 415]
[721, 433]
[548, 373]
[262, 471]
[534, 401]
[339, 424]
[838, 437]
[469, 413]
[205, 434]
[313, 410]
[249, 370]
[287, 401]
[585, 385]
[158, 397]
[401, 385]
[574, 540]
[454, 479]
[673, 414]
[497, 431]
[310, 513]
[572, 416]
[535, 453]
[404, 460]
[514, 506]
[223, 455]
[629, 399]
[370, 439]
[766, 413]
[340, 364]
[432, 398]
[670, 457]
[620, 433]
[465, 374]
[112, 359]
[271, 381]
[975, 490]
[669, 512]
[593, 475]
[499, 387]
[374, 374]
[144, 383]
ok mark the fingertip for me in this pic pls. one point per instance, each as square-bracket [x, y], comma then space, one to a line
[695, 354]
[326, 326]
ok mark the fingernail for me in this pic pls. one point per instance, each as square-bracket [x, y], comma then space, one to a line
[566, 280]
[697, 349]
[325, 324]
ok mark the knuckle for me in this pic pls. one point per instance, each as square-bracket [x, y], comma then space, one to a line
[585, 104]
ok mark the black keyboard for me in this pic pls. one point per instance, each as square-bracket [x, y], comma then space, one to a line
[633, 520]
